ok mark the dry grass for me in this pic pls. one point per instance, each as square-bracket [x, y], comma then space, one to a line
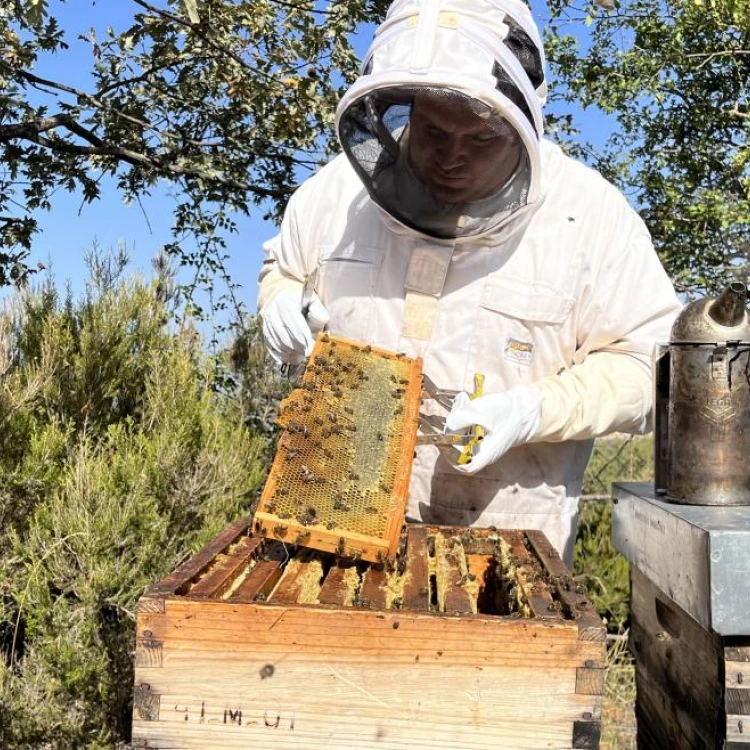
[618, 711]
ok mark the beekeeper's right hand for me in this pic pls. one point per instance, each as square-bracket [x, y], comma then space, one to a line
[289, 334]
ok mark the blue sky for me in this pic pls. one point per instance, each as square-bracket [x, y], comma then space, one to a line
[70, 228]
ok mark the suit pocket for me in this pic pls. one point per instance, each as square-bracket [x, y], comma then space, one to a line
[524, 331]
[346, 283]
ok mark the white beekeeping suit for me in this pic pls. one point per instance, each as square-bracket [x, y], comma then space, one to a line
[450, 230]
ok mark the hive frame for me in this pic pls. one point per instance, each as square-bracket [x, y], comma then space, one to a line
[315, 533]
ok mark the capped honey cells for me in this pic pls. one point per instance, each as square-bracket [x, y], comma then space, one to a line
[340, 478]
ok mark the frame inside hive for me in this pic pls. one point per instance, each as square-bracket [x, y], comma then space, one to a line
[440, 570]
[340, 477]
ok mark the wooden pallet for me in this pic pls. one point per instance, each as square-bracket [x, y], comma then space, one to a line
[472, 639]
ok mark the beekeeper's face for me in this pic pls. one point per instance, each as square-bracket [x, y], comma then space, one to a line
[460, 155]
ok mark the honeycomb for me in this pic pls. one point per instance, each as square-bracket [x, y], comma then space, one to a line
[340, 477]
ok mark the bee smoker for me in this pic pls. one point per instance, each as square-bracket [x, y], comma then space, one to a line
[702, 404]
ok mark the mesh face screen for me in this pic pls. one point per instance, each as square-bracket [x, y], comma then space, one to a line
[439, 161]
[340, 477]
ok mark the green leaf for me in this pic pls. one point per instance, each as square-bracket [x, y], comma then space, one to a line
[191, 6]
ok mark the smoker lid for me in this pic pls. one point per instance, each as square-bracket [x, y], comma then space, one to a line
[714, 320]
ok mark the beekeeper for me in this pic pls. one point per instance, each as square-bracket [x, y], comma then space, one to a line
[449, 229]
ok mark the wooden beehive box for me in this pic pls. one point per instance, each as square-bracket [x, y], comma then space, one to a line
[472, 639]
[692, 684]
[690, 619]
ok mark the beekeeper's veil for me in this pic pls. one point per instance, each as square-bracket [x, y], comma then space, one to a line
[443, 124]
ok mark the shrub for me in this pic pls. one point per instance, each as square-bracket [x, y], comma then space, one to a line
[597, 564]
[120, 457]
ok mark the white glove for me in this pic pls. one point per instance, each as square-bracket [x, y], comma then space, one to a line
[289, 333]
[510, 419]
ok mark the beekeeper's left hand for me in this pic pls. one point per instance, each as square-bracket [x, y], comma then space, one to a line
[510, 418]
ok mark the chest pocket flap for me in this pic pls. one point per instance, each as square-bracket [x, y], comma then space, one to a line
[346, 285]
[532, 302]
[353, 253]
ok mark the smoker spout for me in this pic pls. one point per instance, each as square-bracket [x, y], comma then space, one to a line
[729, 308]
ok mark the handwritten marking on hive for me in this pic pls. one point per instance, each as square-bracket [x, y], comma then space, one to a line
[234, 715]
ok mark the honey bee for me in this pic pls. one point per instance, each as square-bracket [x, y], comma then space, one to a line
[308, 517]
[339, 504]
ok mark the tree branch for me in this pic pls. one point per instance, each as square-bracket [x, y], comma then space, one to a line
[709, 56]
[103, 105]
[721, 53]
[135, 79]
[158, 163]
[44, 124]
[737, 112]
[96, 101]
[195, 28]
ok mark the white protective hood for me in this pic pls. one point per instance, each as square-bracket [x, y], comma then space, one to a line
[484, 56]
